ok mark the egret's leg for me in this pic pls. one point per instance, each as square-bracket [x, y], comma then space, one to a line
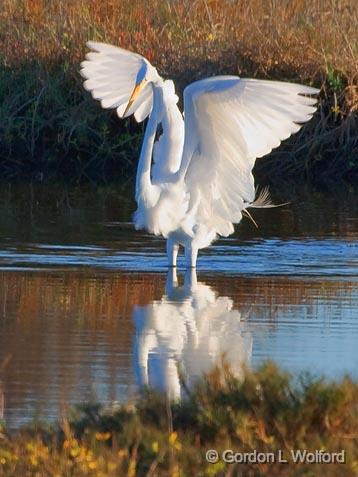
[190, 279]
[172, 281]
[191, 254]
[172, 252]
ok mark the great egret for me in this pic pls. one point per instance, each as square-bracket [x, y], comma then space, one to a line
[195, 182]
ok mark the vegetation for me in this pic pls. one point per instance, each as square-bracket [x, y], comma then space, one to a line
[265, 410]
[50, 127]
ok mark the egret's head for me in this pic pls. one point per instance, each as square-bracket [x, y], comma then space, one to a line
[145, 75]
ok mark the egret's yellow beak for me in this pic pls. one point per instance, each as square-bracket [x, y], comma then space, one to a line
[137, 89]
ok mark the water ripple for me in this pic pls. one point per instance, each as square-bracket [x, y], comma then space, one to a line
[270, 257]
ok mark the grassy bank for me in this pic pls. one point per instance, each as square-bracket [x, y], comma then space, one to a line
[51, 128]
[264, 411]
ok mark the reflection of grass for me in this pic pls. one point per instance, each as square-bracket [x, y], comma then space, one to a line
[265, 411]
[49, 125]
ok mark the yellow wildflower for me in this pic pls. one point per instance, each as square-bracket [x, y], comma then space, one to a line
[103, 436]
[66, 444]
[173, 437]
[122, 453]
[74, 451]
[173, 441]
[92, 465]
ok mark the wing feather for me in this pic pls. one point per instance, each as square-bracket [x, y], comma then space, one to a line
[111, 73]
[229, 122]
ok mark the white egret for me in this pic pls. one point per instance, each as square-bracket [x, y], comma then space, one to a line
[196, 181]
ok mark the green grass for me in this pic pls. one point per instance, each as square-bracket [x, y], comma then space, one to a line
[265, 410]
[50, 128]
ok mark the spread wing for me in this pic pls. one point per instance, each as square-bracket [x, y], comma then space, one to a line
[229, 122]
[111, 73]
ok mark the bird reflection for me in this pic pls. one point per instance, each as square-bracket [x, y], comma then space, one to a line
[186, 333]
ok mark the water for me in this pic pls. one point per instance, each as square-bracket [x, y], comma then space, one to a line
[88, 311]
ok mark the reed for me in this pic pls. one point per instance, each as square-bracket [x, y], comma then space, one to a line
[49, 127]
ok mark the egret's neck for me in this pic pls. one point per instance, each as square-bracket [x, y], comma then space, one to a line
[143, 180]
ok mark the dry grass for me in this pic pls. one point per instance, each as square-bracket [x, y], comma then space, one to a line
[45, 118]
[301, 39]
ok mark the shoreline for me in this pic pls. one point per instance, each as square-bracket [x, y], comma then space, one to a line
[261, 423]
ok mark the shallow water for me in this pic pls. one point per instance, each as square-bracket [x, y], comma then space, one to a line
[87, 310]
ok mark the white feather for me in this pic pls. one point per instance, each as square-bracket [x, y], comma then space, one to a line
[111, 74]
[230, 122]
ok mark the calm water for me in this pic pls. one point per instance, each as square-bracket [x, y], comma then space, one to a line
[88, 311]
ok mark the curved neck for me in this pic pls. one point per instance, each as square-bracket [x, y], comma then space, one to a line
[143, 179]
